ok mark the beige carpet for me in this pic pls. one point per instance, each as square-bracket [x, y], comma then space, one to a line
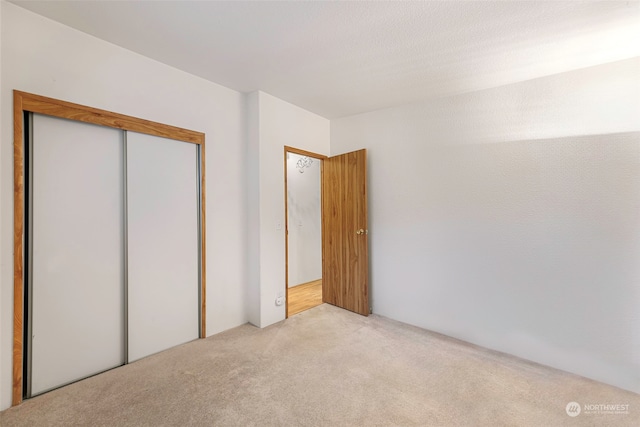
[326, 367]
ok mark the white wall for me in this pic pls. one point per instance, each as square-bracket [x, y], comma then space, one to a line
[305, 221]
[3, 263]
[510, 217]
[47, 58]
[252, 236]
[278, 124]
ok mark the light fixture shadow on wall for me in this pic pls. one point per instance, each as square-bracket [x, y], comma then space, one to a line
[304, 162]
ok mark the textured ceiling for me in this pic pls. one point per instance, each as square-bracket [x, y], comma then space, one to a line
[343, 58]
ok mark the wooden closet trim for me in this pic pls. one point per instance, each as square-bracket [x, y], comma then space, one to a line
[67, 110]
[27, 102]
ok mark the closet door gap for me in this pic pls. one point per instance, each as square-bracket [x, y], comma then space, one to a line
[125, 250]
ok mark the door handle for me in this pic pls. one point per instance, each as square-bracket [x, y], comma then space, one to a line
[361, 231]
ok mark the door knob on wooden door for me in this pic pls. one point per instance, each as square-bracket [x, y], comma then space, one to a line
[361, 231]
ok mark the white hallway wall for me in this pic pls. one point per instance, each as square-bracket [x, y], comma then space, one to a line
[43, 57]
[272, 124]
[510, 217]
[305, 222]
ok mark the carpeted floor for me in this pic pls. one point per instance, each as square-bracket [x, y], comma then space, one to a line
[326, 367]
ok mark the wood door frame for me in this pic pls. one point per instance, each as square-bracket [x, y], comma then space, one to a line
[319, 157]
[29, 103]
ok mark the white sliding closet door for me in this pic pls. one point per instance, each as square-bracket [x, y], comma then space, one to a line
[77, 246]
[163, 230]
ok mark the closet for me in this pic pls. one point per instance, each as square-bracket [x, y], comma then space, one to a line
[113, 234]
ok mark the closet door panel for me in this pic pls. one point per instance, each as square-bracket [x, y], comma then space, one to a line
[163, 279]
[77, 250]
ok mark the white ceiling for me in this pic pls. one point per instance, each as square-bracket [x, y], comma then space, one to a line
[343, 58]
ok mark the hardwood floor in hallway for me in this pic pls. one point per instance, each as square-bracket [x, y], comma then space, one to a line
[305, 296]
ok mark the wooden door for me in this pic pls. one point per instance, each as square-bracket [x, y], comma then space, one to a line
[345, 263]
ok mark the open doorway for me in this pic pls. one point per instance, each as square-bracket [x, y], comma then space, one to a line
[303, 213]
[343, 231]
